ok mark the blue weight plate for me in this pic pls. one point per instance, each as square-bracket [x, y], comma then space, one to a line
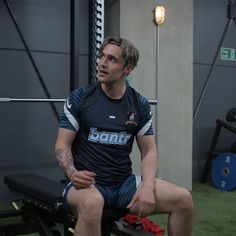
[224, 171]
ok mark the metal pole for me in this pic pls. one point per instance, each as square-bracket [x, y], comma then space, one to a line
[53, 100]
[157, 72]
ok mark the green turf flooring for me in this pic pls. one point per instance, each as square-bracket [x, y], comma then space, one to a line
[214, 212]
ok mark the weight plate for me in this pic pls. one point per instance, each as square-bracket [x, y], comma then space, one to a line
[231, 115]
[224, 171]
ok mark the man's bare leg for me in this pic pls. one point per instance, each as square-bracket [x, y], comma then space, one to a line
[175, 201]
[87, 204]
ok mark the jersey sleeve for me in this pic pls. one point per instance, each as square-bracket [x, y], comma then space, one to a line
[145, 124]
[70, 115]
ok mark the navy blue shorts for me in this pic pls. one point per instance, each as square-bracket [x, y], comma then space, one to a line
[116, 196]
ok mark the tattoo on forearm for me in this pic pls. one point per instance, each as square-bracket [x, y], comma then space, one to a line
[65, 160]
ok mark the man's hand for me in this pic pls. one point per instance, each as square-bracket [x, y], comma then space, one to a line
[143, 202]
[82, 179]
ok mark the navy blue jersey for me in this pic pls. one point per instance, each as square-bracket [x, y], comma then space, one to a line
[105, 130]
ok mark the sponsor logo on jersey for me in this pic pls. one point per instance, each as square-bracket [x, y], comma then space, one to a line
[108, 137]
[131, 119]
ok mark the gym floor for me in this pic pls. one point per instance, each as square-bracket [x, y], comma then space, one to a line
[214, 211]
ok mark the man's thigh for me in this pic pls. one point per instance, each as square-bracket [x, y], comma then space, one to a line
[167, 195]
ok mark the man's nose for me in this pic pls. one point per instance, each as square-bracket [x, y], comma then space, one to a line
[103, 61]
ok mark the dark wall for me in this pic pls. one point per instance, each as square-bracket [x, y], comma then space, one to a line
[210, 18]
[112, 18]
[28, 130]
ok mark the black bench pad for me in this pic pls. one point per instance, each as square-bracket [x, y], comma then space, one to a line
[36, 186]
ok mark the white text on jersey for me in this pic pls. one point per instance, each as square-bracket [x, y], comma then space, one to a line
[108, 137]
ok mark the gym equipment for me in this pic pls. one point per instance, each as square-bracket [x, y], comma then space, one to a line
[97, 22]
[212, 152]
[231, 115]
[233, 148]
[42, 210]
[224, 171]
[32, 100]
[53, 100]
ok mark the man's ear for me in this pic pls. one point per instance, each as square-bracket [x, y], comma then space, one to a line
[128, 69]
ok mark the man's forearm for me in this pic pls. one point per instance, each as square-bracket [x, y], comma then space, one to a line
[149, 170]
[65, 159]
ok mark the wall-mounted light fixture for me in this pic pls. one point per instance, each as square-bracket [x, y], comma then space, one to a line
[159, 18]
[160, 15]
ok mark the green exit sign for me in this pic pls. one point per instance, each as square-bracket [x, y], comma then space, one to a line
[228, 54]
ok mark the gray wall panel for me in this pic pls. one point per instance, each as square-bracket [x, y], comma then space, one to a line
[173, 79]
[81, 42]
[19, 79]
[83, 27]
[9, 37]
[210, 18]
[43, 22]
[83, 70]
[112, 18]
[28, 130]
[209, 21]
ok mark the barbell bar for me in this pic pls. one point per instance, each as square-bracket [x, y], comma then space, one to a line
[54, 100]
[32, 100]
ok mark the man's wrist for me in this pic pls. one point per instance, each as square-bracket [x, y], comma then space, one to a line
[148, 186]
[70, 171]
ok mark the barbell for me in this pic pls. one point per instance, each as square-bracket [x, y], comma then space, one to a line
[53, 100]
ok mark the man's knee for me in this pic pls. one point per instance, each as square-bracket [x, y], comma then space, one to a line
[91, 207]
[186, 201]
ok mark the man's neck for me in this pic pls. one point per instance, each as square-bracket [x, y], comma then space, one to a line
[114, 90]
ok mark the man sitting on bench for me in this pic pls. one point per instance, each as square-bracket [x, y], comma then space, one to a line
[95, 138]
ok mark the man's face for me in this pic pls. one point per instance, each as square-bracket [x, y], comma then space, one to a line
[111, 65]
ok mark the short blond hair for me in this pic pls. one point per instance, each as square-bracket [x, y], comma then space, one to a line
[130, 53]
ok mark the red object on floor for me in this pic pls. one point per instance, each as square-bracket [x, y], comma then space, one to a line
[147, 224]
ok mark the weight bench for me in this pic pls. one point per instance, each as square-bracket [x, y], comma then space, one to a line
[42, 210]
